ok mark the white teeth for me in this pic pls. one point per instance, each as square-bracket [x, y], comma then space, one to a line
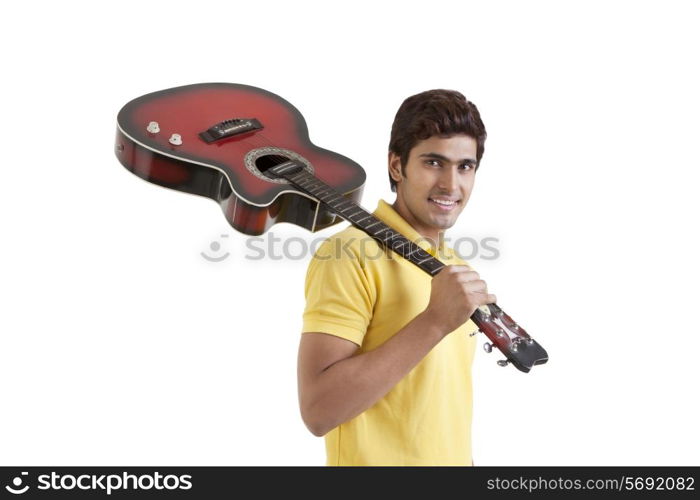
[443, 202]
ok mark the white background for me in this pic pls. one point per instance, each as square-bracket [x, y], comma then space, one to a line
[121, 345]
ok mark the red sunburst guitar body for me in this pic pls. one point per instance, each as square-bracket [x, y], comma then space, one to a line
[159, 139]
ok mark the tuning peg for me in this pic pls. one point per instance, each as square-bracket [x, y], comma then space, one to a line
[503, 362]
[153, 127]
[488, 347]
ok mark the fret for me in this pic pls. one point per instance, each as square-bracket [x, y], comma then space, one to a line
[310, 183]
[432, 266]
[344, 212]
[307, 184]
[368, 221]
[347, 209]
[423, 254]
[386, 239]
[391, 235]
[353, 215]
[314, 184]
[398, 242]
[353, 221]
[317, 192]
[415, 249]
[324, 199]
[403, 245]
[340, 208]
[377, 234]
[405, 251]
[410, 246]
[425, 260]
[360, 224]
[301, 177]
[303, 182]
[400, 248]
[304, 173]
[315, 187]
[412, 250]
[419, 255]
[343, 202]
[304, 177]
[323, 194]
[367, 216]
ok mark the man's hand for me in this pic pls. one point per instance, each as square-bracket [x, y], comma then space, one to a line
[455, 294]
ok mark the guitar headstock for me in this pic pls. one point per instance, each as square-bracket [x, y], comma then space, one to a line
[510, 338]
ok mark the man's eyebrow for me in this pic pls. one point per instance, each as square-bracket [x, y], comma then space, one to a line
[438, 156]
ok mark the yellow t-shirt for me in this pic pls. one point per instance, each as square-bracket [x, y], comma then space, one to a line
[357, 290]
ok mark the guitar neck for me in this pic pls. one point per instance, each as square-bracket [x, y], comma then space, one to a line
[359, 217]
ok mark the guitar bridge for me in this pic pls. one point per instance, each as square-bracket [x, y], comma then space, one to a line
[228, 128]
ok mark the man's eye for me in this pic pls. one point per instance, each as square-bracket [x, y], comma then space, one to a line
[466, 166]
[432, 162]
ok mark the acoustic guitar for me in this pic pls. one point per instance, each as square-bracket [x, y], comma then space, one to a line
[249, 150]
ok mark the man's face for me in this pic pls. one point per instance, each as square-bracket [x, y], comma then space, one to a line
[438, 182]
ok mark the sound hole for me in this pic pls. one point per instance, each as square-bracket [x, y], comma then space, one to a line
[259, 161]
[266, 162]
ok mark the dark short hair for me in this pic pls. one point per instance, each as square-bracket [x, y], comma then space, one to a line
[434, 112]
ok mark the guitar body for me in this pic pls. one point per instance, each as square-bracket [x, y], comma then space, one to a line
[218, 140]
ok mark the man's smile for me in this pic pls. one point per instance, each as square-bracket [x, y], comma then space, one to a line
[444, 204]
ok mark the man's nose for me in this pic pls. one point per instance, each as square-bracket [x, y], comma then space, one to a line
[449, 180]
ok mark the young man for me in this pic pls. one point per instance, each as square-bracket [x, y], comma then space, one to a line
[385, 357]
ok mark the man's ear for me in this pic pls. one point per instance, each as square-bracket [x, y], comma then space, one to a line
[395, 166]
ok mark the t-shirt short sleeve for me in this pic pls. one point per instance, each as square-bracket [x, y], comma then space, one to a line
[339, 295]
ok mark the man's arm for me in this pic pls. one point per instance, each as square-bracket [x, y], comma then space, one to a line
[335, 385]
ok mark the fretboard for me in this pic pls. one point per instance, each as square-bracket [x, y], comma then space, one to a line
[358, 216]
